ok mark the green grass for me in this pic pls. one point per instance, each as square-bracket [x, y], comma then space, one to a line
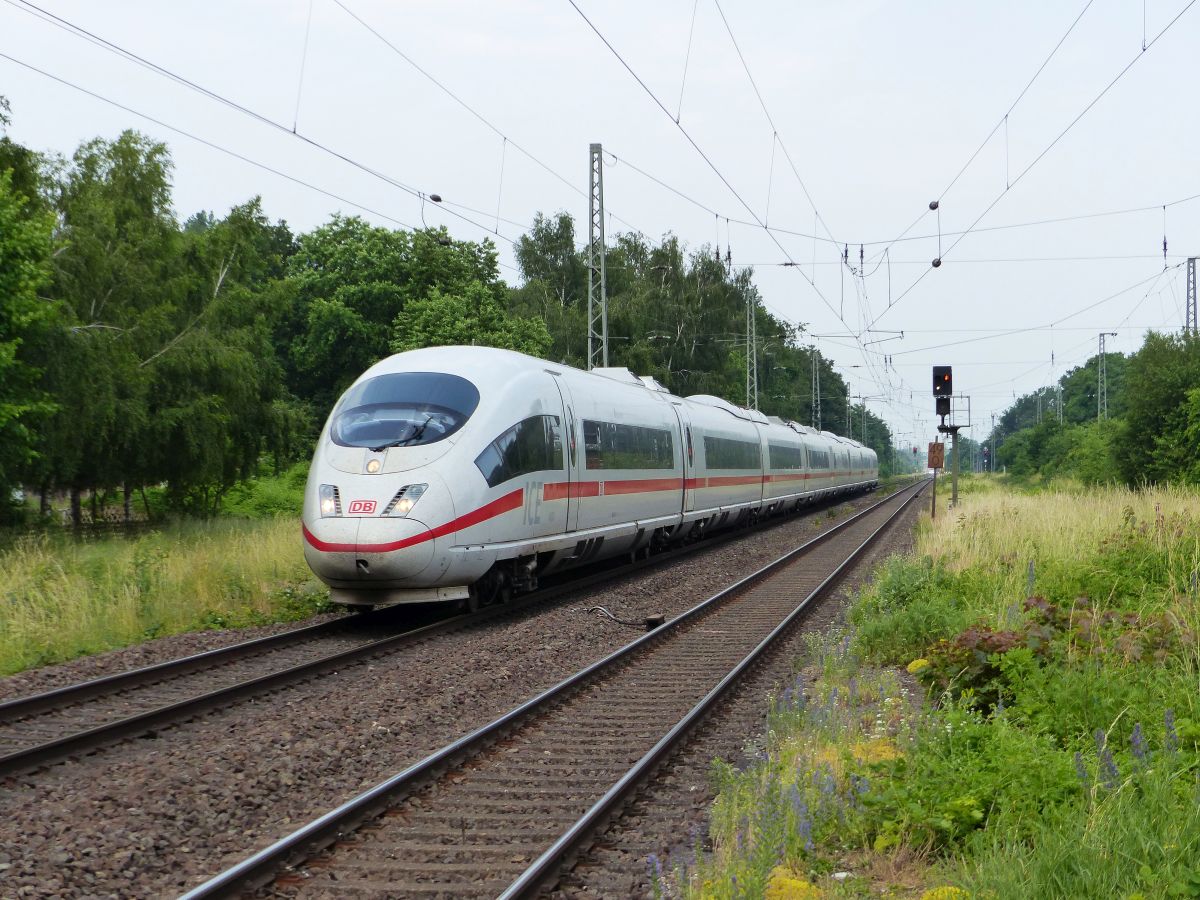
[60, 599]
[1053, 749]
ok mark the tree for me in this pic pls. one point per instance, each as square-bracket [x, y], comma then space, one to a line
[24, 269]
[350, 280]
[473, 316]
[216, 401]
[1153, 445]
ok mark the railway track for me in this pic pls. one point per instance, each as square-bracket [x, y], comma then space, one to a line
[50, 726]
[502, 811]
[55, 725]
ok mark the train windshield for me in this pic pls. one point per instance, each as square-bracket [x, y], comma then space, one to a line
[403, 409]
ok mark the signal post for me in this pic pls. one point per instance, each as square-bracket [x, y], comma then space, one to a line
[943, 391]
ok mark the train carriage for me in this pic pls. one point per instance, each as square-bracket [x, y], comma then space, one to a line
[463, 473]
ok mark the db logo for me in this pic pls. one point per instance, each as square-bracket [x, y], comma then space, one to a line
[362, 507]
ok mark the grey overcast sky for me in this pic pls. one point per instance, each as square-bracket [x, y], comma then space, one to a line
[878, 105]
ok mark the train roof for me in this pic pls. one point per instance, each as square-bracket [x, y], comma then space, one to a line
[473, 361]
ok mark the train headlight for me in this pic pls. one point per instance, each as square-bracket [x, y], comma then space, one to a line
[405, 499]
[330, 501]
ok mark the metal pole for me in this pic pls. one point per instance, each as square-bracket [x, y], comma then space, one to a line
[933, 498]
[1191, 324]
[1102, 379]
[816, 391]
[954, 469]
[597, 314]
[754, 350]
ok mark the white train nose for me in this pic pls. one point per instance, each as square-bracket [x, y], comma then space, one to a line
[343, 551]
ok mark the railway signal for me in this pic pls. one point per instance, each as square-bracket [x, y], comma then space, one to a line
[943, 382]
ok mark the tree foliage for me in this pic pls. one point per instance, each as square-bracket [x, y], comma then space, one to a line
[24, 269]
[139, 348]
[1149, 435]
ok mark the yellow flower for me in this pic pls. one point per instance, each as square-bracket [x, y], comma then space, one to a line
[917, 665]
[945, 893]
[784, 884]
[875, 750]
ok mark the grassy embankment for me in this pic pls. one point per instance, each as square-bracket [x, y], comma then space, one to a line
[60, 598]
[1044, 742]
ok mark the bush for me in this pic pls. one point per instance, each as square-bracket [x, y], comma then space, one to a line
[911, 603]
[267, 497]
[963, 772]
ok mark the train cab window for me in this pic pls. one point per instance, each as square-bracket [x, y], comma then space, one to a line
[727, 453]
[609, 445]
[533, 445]
[785, 456]
[403, 409]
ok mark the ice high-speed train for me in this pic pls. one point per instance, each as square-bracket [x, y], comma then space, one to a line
[464, 473]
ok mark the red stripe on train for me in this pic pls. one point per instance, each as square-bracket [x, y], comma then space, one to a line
[508, 502]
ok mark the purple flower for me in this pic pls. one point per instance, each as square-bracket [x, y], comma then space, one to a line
[1109, 773]
[804, 822]
[1082, 772]
[1137, 743]
[655, 866]
[1101, 740]
[1172, 740]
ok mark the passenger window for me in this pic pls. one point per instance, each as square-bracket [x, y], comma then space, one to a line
[727, 453]
[534, 445]
[608, 445]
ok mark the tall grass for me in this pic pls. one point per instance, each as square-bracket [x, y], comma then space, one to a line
[1057, 634]
[60, 599]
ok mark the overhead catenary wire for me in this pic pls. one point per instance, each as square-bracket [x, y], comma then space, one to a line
[103, 43]
[206, 142]
[303, 63]
[1025, 171]
[770, 120]
[1003, 120]
[686, 60]
[1053, 324]
[695, 146]
[233, 154]
[471, 109]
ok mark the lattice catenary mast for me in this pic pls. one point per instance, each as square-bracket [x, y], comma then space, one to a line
[1102, 379]
[1191, 325]
[597, 312]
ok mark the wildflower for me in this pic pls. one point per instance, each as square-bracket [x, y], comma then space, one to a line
[1082, 772]
[1109, 773]
[1172, 739]
[804, 823]
[655, 866]
[946, 892]
[784, 884]
[1137, 743]
[917, 666]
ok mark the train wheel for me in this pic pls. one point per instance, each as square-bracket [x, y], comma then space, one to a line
[494, 587]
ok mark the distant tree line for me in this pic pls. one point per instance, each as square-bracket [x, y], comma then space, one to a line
[1151, 433]
[138, 350]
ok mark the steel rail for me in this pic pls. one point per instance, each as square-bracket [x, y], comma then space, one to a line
[146, 722]
[550, 864]
[261, 867]
[21, 707]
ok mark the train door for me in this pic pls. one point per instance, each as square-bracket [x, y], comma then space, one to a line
[689, 459]
[573, 455]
